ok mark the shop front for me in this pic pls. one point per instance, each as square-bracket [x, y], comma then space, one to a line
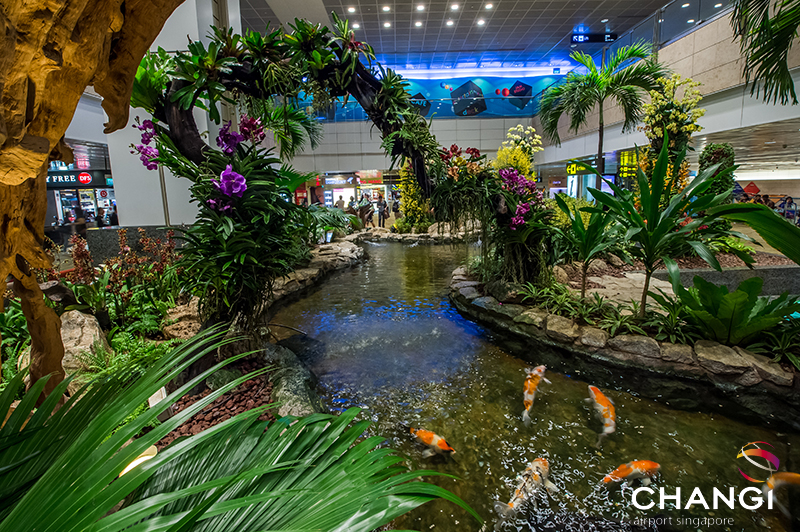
[67, 190]
[371, 183]
[340, 186]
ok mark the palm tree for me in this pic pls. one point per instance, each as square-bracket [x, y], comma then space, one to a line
[618, 79]
[766, 30]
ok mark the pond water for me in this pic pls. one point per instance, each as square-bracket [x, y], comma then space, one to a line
[384, 337]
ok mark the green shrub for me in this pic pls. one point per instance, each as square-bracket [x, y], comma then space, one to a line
[725, 157]
[732, 318]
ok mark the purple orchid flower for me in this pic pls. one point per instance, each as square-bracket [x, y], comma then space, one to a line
[230, 183]
[228, 140]
[251, 129]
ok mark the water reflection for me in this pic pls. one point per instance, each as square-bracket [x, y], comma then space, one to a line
[384, 337]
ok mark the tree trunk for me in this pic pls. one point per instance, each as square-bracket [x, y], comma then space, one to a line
[44, 325]
[647, 274]
[583, 278]
[601, 161]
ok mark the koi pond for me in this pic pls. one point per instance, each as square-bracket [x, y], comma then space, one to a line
[384, 337]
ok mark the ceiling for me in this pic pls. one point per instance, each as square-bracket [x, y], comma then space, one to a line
[514, 33]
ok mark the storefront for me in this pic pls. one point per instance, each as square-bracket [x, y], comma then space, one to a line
[68, 189]
[371, 183]
[340, 185]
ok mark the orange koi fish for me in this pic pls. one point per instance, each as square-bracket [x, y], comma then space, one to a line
[435, 443]
[535, 376]
[643, 470]
[604, 408]
[528, 483]
[778, 480]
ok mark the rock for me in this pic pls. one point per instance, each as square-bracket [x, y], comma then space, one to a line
[767, 369]
[221, 377]
[720, 359]
[561, 329]
[470, 293]
[749, 378]
[491, 305]
[184, 321]
[593, 337]
[463, 284]
[597, 265]
[80, 333]
[532, 316]
[636, 345]
[616, 261]
[292, 384]
[679, 353]
[560, 274]
[572, 269]
[183, 330]
[505, 292]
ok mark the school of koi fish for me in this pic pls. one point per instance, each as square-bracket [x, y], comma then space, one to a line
[535, 476]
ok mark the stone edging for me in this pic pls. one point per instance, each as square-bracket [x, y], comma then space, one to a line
[384, 235]
[293, 385]
[705, 376]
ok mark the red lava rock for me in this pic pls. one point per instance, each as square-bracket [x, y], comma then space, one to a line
[253, 393]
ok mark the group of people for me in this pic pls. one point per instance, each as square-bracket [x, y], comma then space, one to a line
[784, 206]
[366, 211]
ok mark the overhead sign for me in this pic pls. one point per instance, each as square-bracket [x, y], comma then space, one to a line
[752, 189]
[77, 179]
[370, 177]
[579, 169]
[580, 38]
[340, 180]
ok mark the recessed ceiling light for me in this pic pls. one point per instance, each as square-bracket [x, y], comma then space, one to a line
[690, 21]
[420, 8]
[449, 22]
[386, 8]
[387, 24]
[573, 45]
[489, 6]
[356, 26]
[481, 22]
[686, 5]
[604, 21]
[351, 10]
[454, 7]
[717, 6]
[418, 24]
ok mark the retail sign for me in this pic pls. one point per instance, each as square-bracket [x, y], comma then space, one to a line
[77, 179]
[752, 189]
[340, 180]
[579, 169]
[580, 38]
[103, 194]
[370, 177]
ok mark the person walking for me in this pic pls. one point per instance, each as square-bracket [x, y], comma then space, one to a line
[114, 218]
[101, 217]
[383, 211]
[340, 204]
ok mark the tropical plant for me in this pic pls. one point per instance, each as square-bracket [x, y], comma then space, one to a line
[774, 229]
[413, 204]
[732, 318]
[766, 30]
[659, 229]
[617, 79]
[615, 322]
[292, 128]
[13, 329]
[671, 323]
[723, 156]
[589, 239]
[783, 342]
[666, 113]
[63, 469]
[518, 150]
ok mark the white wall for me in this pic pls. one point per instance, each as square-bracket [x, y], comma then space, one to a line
[350, 146]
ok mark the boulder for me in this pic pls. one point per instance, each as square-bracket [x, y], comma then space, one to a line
[221, 377]
[493, 306]
[505, 292]
[293, 383]
[561, 329]
[767, 369]
[560, 275]
[720, 359]
[679, 353]
[80, 333]
[532, 316]
[593, 337]
[463, 284]
[636, 345]
[749, 378]
[469, 293]
[597, 265]
[616, 261]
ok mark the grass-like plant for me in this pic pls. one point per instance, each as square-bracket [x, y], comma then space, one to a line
[60, 467]
[591, 238]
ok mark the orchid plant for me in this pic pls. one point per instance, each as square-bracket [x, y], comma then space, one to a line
[248, 232]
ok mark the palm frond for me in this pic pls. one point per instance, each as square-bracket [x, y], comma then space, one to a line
[630, 100]
[621, 57]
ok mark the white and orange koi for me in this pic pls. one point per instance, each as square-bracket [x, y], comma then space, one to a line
[643, 470]
[604, 407]
[778, 480]
[528, 483]
[535, 376]
[436, 444]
